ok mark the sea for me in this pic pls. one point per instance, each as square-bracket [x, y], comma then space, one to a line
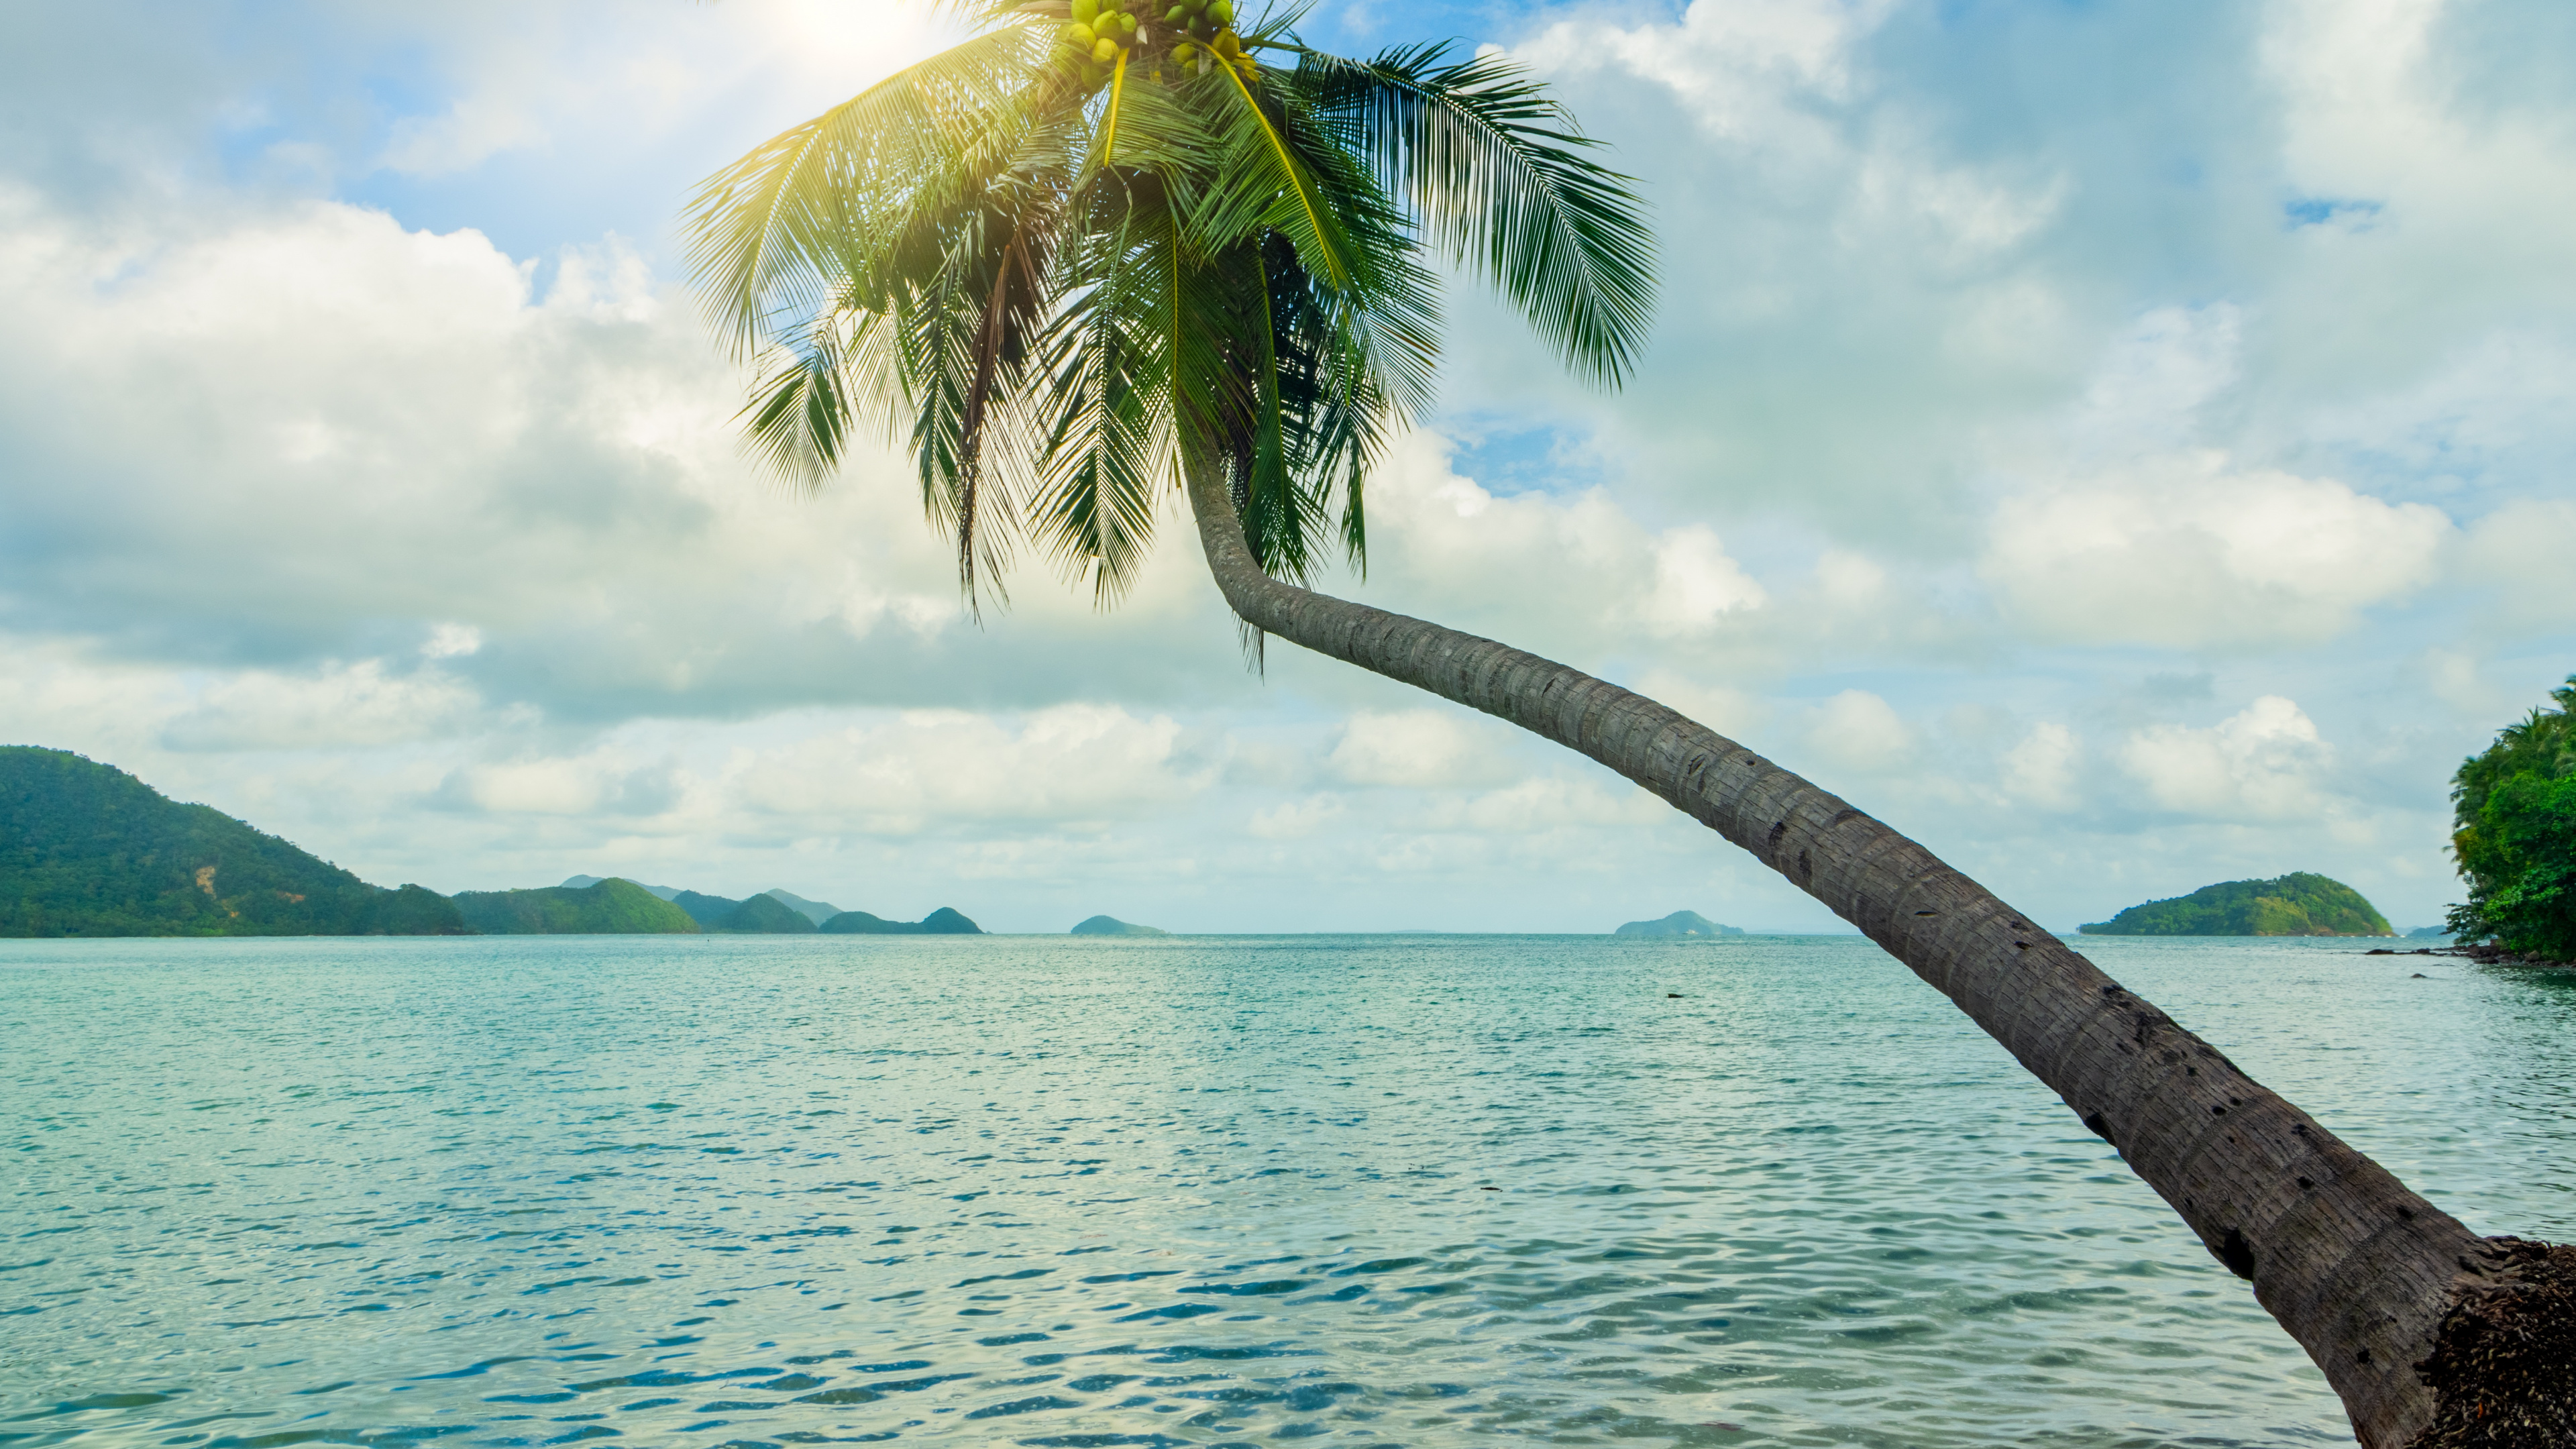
[1058, 1191]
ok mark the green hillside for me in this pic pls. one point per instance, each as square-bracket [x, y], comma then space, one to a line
[610, 908]
[2297, 904]
[708, 911]
[941, 922]
[88, 850]
[768, 916]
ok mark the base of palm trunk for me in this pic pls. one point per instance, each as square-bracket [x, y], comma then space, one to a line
[2504, 1366]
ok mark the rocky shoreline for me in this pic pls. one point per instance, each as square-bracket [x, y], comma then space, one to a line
[2484, 955]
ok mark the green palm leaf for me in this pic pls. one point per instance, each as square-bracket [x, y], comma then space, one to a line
[1068, 287]
[1495, 170]
[772, 232]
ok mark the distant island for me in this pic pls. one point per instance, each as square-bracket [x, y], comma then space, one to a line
[2297, 904]
[1678, 924]
[595, 905]
[941, 922]
[606, 908]
[771, 913]
[1112, 926]
[88, 850]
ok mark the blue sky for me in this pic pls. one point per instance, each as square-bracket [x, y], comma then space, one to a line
[2125, 445]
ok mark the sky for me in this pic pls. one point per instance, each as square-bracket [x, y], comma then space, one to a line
[2125, 444]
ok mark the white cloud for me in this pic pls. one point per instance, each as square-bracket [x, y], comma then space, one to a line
[1695, 583]
[2040, 770]
[1075, 765]
[594, 784]
[1298, 819]
[1417, 749]
[1545, 804]
[2190, 553]
[2154, 380]
[1737, 64]
[2260, 764]
[2526, 552]
[471, 132]
[1576, 573]
[450, 641]
[1857, 730]
[336, 706]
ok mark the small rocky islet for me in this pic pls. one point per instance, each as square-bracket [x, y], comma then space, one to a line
[1112, 926]
[1680, 925]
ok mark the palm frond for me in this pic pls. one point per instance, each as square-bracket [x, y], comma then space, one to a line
[770, 233]
[1110, 398]
[1064, 288]
[1498, 175]
[1266, 184]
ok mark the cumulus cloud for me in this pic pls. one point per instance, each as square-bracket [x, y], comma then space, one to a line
[336, 706]
[1857, 730]
[2040, 770]
[2262, 763]
[314, 435]
[1417, 749]
[1298, 819]
[1072, 765]
[2521, 552]
[2193, 554]
[599, 783]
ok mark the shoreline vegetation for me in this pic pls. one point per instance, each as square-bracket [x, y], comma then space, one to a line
[2514, 835]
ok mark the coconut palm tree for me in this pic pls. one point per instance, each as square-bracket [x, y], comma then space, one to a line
[1108, 249]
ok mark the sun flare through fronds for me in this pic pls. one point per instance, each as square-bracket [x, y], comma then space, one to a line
[1105, 244]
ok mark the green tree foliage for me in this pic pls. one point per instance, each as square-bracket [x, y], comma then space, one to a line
[2515, 835]
[88, 850]
[611, 908]
[2297, 904]
[1105, 243]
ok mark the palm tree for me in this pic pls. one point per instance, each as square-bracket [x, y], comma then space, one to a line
[1094, 253]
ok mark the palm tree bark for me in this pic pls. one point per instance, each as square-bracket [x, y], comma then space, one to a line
[2359, 1269]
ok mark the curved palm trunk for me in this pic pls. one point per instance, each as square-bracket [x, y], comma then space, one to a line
[2358, 1268]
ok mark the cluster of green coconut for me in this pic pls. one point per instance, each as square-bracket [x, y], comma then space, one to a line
[1171, 38]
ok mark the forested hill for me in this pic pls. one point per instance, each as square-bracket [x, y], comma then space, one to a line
[612, 907]
[2297, 904]
[88, 850]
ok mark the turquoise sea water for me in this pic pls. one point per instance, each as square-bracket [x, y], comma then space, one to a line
[1045, 1191]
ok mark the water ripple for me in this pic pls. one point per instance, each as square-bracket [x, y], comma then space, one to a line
[1376, 1191]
